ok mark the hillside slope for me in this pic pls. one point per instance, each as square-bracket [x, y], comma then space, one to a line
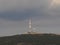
[31, 39]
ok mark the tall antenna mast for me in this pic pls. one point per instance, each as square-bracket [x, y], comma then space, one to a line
[30, 25]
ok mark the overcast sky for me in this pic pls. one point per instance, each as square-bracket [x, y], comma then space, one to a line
[14, 16]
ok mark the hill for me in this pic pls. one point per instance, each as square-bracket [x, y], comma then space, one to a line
[31, 39]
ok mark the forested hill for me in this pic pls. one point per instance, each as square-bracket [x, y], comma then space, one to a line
[31, 39]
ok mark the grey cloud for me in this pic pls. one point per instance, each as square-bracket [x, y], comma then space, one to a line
[13, 4]
[21, 15]
[24, 9]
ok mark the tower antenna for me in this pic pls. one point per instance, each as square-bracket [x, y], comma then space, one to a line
[30, 25]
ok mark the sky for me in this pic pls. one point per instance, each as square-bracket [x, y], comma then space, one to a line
[15, 14]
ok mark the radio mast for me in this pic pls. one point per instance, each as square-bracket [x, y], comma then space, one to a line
[30, 25]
